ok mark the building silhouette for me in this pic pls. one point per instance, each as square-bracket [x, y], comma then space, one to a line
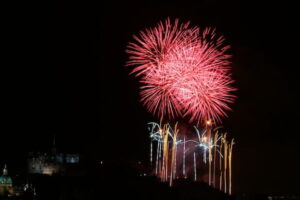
[6, 185]
[50, 163]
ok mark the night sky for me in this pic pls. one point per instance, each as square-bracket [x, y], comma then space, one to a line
[63, 74]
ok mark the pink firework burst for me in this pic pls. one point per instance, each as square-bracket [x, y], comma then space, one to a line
[184, 71]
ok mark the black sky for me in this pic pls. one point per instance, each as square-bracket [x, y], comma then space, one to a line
[63, 73]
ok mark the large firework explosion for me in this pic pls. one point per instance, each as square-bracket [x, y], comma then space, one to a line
[184, 72]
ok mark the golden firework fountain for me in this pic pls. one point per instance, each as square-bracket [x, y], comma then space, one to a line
[178, 156]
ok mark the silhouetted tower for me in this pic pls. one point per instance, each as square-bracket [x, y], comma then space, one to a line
[54, 151]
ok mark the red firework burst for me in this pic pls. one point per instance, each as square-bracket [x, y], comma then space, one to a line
[184, 71]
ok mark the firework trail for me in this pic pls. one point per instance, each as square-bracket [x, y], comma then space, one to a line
[230, 165]
[225, 162]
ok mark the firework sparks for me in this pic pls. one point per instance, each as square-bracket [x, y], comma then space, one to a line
[172, 144]
[184, 71]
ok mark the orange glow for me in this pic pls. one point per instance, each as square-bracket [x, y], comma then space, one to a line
[208, 122]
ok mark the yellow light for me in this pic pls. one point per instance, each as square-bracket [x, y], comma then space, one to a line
[208, 122]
